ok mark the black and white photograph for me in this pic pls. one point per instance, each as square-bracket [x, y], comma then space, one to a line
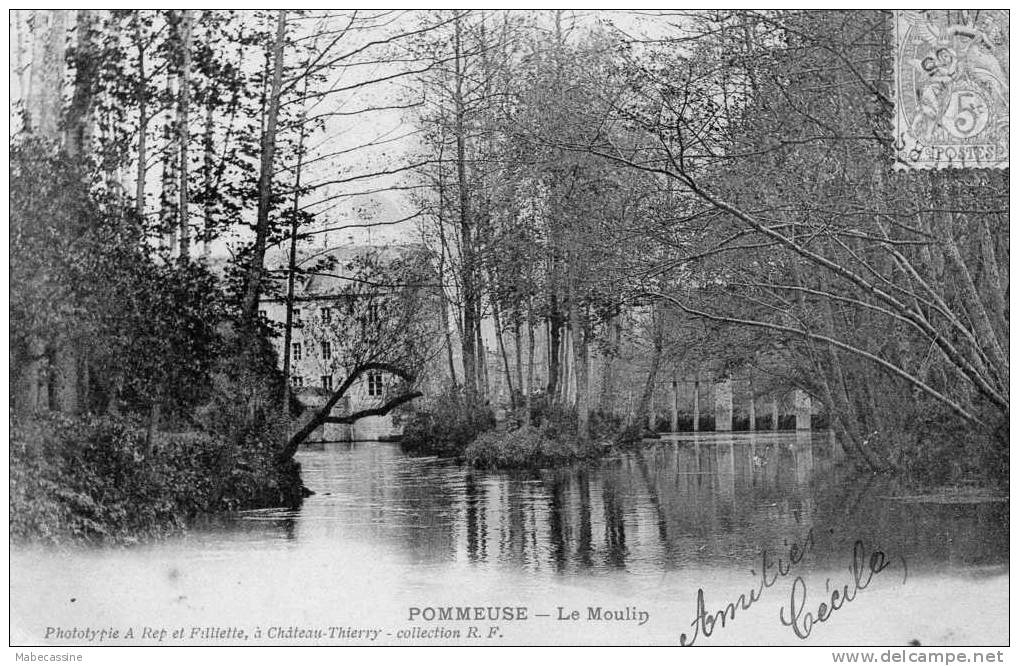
[509, 328]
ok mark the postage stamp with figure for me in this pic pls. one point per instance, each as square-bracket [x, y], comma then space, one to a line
[951, 89]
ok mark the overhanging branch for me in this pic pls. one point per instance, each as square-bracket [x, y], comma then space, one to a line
[376, 411]
[322, 415]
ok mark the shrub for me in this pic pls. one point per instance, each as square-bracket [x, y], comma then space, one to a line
[526, 446]
[447, 425]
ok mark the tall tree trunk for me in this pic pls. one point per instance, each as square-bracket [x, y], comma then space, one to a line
[48, 62]
[169, 197]
[482, 361]
[497, 320]
[21, 68]
[657, 336]
[208, 169]
[530, 361]
[753, 403]
[608, 381]
[43, 96]
[141, 98]
[292, 273]
[674, 404]
[468, 340]
[697, 402]
[444, 316]
[253, 286]
[518, 355]
[554, 333]
[78, 123]
[443, 301]
[582, 373]
[183, 129]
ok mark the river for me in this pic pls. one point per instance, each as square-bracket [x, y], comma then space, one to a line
[629, 543]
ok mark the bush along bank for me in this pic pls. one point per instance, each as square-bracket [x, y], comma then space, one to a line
[447, 425]
[527, 447]
[97, 479]
[453, 426]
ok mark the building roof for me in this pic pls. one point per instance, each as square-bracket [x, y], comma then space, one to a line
[335, 264]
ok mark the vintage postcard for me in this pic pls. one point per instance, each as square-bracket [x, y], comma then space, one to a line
[362, 327]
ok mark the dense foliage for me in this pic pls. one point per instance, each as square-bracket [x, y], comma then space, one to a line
[446, 424]
[98, 479]
[153, 346]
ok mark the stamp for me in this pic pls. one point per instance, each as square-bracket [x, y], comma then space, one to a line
[951, 89]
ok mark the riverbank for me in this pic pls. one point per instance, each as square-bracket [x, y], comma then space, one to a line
[98, 480]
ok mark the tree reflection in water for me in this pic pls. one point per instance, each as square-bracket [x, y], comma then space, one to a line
[709, 499]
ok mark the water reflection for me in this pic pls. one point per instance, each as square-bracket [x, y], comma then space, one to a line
[715, 500]
[386, 531]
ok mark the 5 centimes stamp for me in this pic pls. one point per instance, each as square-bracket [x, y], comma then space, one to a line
[951, 89]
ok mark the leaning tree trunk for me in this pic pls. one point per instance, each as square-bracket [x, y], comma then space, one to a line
[323, 415]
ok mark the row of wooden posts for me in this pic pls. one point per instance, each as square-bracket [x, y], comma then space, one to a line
[723, 408]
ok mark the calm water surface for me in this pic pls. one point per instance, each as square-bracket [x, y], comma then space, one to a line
[637, 533]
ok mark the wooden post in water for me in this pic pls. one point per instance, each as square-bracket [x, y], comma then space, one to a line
[674, 404]
[723, 405]
[696, 403]
[651, 411]
[802, 405]
[753, 406]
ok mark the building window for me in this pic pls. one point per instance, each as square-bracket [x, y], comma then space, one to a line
[297, 317]
[374, 383]
[327, 314]
[297, 380]
[296, 354]
[327, 350]
[263, 315]
[327, 382]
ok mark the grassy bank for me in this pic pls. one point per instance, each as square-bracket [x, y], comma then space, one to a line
[96, 479]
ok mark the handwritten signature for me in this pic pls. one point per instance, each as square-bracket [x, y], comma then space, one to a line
[704, 623]
[863, 567]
